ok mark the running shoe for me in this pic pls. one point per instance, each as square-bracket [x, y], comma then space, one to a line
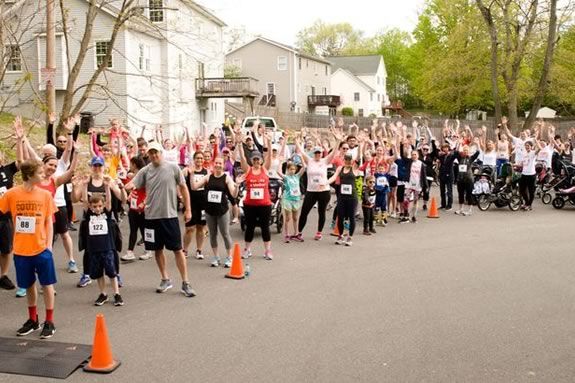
[403, 220]
[199, 254]
[215, 262]
[187, 290]
[6, 283]
[297, 238]
[147, 255]
[339, 240]
[84, 281]
[165, 285]
[72, 268]
[317, 236]
[102, 298]
[268, 255]
[228, 262]
[467, 213]
[424, 207]
[348, 241]
[413, 220]
[28, 327]
[247, 253]
[128, 257]
[458, 212]
[48, 330]
[118, 301]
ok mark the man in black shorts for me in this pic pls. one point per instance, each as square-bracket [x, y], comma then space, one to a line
[163, 181]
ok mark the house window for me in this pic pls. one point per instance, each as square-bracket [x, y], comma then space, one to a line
[360, 112]
[324, 91]
[156, 9]
[356, 96]
[370, 96]
[271, 88]
[326, 70]
[378, 97]
[237, 63]
[141, 57]
[282, 63]
[102, 48]
[200, 69]
[14, 55]
[299, 63]
[313, 90]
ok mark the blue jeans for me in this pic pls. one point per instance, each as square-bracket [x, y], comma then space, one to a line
[499, 164]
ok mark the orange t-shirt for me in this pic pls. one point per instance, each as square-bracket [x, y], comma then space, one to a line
[29, 210]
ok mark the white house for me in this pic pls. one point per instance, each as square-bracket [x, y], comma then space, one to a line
[151, 78]
[360, 81]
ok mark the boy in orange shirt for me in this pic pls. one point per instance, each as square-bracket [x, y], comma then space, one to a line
[32, 209]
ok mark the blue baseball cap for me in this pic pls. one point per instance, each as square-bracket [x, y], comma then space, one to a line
[97, 161]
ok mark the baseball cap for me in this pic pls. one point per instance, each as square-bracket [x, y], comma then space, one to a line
[275, 147]
[317, 149]
[348, 157]
[256, 154]
[155, 146]
[224, 150]
[97, 161]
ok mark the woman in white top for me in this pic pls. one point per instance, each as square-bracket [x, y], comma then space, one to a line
[489, 155]
[527, 180]
[502, 151]
[317, 186]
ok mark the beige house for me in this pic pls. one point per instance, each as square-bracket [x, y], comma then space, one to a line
[287, 78]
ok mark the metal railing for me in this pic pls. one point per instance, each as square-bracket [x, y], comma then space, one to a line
[323, 100]
[227, 87]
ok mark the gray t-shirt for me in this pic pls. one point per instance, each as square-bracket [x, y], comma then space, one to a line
[161, 189]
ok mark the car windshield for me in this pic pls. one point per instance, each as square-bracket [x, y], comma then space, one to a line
[268, 122]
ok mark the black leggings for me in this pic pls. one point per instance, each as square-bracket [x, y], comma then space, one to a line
[322, 199]
[464, 192]
[527, 189]
[346, 210]
[252, 214]
[368, 218]
[136, 220]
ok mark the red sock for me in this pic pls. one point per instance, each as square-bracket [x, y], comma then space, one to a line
[32, 313]
[49, 315]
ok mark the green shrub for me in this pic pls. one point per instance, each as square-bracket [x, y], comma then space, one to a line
[347, 111]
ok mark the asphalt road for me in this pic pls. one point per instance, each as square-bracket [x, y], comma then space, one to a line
[486, 298]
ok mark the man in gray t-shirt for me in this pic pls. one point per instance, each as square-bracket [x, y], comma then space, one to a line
[162, 182]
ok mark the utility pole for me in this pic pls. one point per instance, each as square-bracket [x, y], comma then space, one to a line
[50, 56]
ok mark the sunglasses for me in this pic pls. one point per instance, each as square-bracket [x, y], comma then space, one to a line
[370, 182]
[344, 148]
[425, 149]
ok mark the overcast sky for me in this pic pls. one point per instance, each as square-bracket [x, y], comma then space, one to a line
[281, 20]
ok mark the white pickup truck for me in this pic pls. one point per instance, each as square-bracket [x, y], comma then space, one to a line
[269, 122]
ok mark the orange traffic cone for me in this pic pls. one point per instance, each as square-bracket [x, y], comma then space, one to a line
[335, 231]
[237, 269]
[102, 360]
[433, 212]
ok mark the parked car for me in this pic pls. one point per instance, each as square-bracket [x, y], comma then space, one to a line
[269, 122]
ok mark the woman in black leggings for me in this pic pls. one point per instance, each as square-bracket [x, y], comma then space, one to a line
[347, 200]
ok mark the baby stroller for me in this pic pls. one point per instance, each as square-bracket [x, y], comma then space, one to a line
[276, 217]
[504, 191]
[562, 178]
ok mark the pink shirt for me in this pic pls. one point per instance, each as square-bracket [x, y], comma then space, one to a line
[317, 175]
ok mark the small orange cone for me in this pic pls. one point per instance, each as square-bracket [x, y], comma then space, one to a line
[335, 231]
[102, 360]
[237, 269]
[433, 212]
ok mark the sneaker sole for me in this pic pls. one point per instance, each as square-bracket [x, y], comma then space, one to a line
[48, 336]
[84, 284]
[129, 260]
[160, 291]
[187, 295]
[27, 333]
[118, 304]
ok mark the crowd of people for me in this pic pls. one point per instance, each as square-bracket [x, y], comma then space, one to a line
[232, 176]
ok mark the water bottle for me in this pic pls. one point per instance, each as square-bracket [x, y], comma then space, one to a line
[247, 270]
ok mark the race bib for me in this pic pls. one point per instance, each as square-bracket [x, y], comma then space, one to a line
[149, 235]
[98, 226]
[3, 190]
[122, 174]
[462, 168]
[68, 188]
[198, 178]
[413, 183]
[315, 181]
[257, 193]
[215, 196]
[381, 181]
[371, 199]
[25, 225]
[346, 189]
[295, 192]
[133, 203]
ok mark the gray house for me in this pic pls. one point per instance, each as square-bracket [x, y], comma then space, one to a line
[287, 78]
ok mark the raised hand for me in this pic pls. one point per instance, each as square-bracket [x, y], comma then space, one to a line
[18, 128]
[52, 117]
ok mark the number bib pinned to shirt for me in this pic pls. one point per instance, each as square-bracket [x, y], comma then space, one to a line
[295, 192]
[133, 203]
[382, 181]
[149, 235]
[98, 226]
[25, 225]
[463, 168]
[3, 190]
[346, 189]
[257, 193]
[214, 196]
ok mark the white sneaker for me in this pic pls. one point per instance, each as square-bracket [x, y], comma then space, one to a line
[247, 254]
[228, 262]
[215, 262]
[467, 213]
[128, 257]
[339, 240]
[147, 255]
[199, 255]
[348, 241]
[458, 212]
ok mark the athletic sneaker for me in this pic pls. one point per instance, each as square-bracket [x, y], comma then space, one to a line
[199, 254]
[147, 255]
[467, 213]
[165, 285]
[102, 298]
[21, 292]
[28, 327]
[458, 212]
[6, 283]
[72, 268]
[348, 241]
[403, 220]
[339, 240]
[268, 256]
[215, 262]
[187, 290]
[48, 330]
[297, 238]
[118, 301]
[228, 262]
[413, 220]
[424, 207]
[317, 236]
[247, 253]
[84, 281]
[128, 257]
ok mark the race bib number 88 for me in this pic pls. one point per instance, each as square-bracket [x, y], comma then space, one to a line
[25, 225]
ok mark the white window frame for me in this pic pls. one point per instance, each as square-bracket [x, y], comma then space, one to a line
[96, 54]
[11, 57]
[156, 14]
[273, 87]
[282, 64]
[356, 96]
[371, 96]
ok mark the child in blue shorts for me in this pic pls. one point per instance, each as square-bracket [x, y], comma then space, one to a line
[381, 191]
[291, 199]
